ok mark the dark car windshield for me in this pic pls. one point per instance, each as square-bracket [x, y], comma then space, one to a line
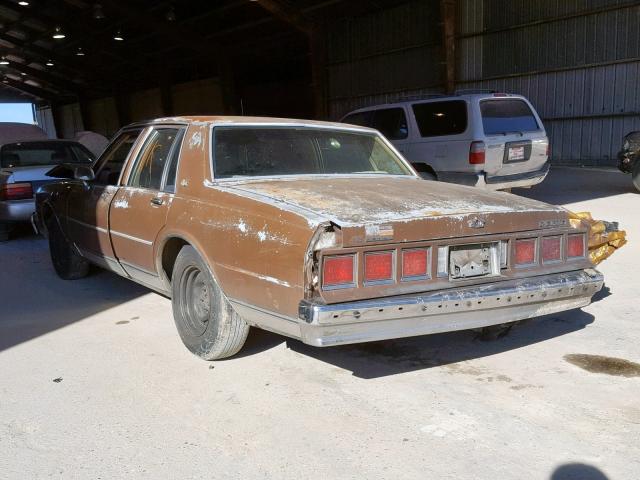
[507, 116]
[264, 151]
[31, 154]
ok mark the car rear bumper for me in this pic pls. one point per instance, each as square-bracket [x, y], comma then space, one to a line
[446, 310]
[17, 210]
[525, 179]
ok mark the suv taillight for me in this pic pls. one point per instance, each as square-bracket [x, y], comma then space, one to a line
[476, 153]
[16, 191]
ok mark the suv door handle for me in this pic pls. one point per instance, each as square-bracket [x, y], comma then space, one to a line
[156, 201]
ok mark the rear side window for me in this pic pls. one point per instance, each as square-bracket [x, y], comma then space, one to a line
[155, 156]
[437, 119]
[506, 116]
[391, 122]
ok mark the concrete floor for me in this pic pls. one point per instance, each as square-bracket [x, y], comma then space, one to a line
[95, 383]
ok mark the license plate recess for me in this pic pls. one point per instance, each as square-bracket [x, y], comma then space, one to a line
[474, 260]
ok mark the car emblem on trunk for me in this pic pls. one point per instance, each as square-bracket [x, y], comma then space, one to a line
[476, 222]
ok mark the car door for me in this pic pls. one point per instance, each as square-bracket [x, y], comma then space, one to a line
[88, 202]
[139, 209]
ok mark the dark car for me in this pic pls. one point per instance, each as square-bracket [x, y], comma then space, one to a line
[23, 168]
[628, 157]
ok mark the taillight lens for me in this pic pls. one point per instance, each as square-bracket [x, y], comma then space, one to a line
[575, 245]
[548, 150]
[525, 251]
[476, 153]
[15, 191]
[551, 249]
[338, 271]
[378, 266]
[415, 263]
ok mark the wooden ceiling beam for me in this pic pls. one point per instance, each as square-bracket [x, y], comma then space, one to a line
[287, 14]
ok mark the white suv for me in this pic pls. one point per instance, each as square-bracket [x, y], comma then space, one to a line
[489, 140]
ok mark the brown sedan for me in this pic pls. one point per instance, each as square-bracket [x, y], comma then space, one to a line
[318, 231]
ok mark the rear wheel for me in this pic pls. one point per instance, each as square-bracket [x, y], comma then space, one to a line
[67, 262]
[207, 323]
[635, 175]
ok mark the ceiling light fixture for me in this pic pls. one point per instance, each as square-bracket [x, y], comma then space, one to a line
[49, 63]
[118, 36]
[23, 3]
[170, 15]
[80, 53]
[98, 13]
[4, 61]
[58, 34]
[22, 73]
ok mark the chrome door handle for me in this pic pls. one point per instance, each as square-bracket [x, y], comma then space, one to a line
[156, 201]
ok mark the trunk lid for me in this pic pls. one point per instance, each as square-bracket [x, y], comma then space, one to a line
[382, 209]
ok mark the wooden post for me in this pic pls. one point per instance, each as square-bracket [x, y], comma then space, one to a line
[317, 42]
[448, 15]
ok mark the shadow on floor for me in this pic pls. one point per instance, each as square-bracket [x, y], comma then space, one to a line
[577, 471]
[571, 185]
[391, 357]
[51, 303]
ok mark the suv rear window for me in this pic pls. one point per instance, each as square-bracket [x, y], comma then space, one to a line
[33, 154]
[506, 116]
[436, 119]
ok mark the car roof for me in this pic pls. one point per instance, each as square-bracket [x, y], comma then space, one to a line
[240, 120]
[43, 142]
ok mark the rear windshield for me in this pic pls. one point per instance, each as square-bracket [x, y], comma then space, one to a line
[34, 154]
[436, 119]
[266, 151]
[507, 116]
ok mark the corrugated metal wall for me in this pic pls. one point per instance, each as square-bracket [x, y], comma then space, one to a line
[578, 61]
[384, 55]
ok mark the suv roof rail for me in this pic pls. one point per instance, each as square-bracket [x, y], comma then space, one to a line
[469, 91]
[409, 98]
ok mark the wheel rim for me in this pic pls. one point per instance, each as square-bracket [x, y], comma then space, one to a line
[195, 301]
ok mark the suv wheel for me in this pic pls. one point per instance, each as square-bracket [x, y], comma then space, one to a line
[207, 323]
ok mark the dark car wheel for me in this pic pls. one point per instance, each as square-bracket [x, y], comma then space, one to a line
[635, 175]
[67, 262]
[206, 321]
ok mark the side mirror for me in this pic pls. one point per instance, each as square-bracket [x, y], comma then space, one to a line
[84, 173]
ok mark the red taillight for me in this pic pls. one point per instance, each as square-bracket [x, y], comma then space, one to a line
[548, 150]
[526, 251]
[15, 191]
[575, 245]
[415, 263]
[337, 270]
[378, 266]
[476, 153]
[551, 249]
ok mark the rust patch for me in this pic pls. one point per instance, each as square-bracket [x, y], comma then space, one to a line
[618, 367]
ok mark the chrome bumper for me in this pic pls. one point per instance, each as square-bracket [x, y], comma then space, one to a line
[446, 310]
[17, 210]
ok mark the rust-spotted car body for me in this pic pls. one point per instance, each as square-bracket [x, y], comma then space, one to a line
[318, 231]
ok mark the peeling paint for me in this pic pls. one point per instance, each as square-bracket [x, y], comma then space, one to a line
[122, 203]
[195, 140]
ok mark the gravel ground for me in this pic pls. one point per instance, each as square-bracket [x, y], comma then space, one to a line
[95, 383]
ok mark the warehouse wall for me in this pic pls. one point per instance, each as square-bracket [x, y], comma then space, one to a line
[383, 56]
[191, 98]
[578, 61]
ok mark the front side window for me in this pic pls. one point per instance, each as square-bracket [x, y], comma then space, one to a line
[392, 122]
[32, 154]
[268, 151]
[157, 152]
[502, 116]
[437, 119]
[110, 163]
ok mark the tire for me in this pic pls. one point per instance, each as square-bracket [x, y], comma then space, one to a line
[635, 174]
[207, 323]
[67, 262]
